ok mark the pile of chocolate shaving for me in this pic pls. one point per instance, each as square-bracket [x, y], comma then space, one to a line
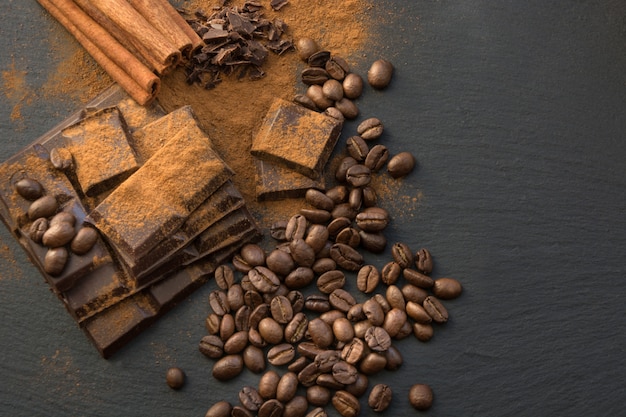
[237, 40]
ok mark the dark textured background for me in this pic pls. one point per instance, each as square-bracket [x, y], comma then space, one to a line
[516, 111]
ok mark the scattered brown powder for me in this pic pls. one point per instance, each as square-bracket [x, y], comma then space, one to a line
[15, 90]
[13, 270]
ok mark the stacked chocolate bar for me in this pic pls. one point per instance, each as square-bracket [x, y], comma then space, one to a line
[125, 210]
[292, 148]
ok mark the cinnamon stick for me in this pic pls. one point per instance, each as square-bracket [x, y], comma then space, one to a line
[139, 30]
[157, 16]
[196, 41]
[134, 90]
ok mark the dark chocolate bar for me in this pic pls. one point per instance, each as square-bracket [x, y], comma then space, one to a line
[275, 182]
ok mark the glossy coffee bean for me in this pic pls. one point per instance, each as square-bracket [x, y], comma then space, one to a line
[287, 386]
[280, 262]
[297, 407]
[337, 67]
[218, 300]
[322, 265]
[84, 240]
[347, 108]
[373, 363]
[281, 354]
[395, 298]
[268, 384]
[349, 236]
[339, 193]
[401, 164]
[317, 302]
[175, 378]
[344, 373]
[330, 281]
[211, 346]
[435, 309]
[317, 395]
[235, 296]
[332, 89]
[394, 320]
[334, 113]
[277, 230]
[424, 261]
[44, 206]
[353, 85]
[447, 288]
[380, 397]
[254, 359]
[316, 215]
[319, 200]
[354, 351]
[423, 331]
[271, 408]
[376, 158]
[379, 74]
[58, 234]
[346, 257]
[360, 386]
[212, 323]
[377, 339]
[315, 93]
[250, 398]
[306, 47]
[358, 175]
[417, 278]
[227, 327]
[228, 367]
[263, 279]
[271, 331]
[343, 330]
[394, 359]
[374, 242]
[302, 253]
[253, 254]
[296, 328]
[299, 277]
[357, 148]
[346, 404]
[373, 312]
[367, 278]
[55, 260]
[241, 411]
[29, 188]
[370, 129]
[220, 409]
[373, 219]
[337, 225]
[314, 76]
[63, 217]
[421, 396]
[281, 310]
[37, 229]
[320, 332]
[341, 300]
[236, 343]
[318, 59]
[402, 254]
[61, 159]
[413, 293]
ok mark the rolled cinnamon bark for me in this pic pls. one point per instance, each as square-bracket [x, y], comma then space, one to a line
[132, 87]
[135, 26]
[196, 41]
[156, 15]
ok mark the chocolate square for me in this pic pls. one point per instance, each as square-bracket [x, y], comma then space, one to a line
[296, 137]
[275, 182]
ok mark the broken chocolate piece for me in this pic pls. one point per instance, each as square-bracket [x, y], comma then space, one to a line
[274, 182]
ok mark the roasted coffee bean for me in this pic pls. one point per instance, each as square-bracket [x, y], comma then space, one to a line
[242, 318]
[421, 397]
[332, 89]
[281, 309]
[352, 85]
[405, 331]
[328, 381]
[297, 407]
[254, 359]
[287, 387]
[55, 260]
[299, 277]
[298, 364]
[218, 300]
[246, 284]
[277, 230]
[315, 93]
[402, 254]
[330, 281]
[305, 101]
[296, 227]
[367, 278]
[358, 175]
[228, 367]
[355, 199]
[380, 397]
[417, 312]
[347, 108]
[380, 73]
[317, 303]
[376, 158]
[319, 200]
[343, 330]
[394, 359]
[435, 309]
[377, 339]
[341, 171]
[63, 217]
[271, 408]
[373, 219]
[373, 363]
[212, 323]
[250, 398]
[268, 384]
[447, 288]
[211, 346]
[326, 359]
[280, 262]
[240, 264]
[401, 164]
[320, 332]
[281, 354]
[394, 320]
[236, 343]
[29, 188]
[309, 374]
[324, 252]
[330, 316]
[241, 411]
[344, 373]
[413, 293]
[346, 404]
[360, 327]
[357, 148]
[316, 215]
[374, 312]
[306, 47]
[337, 225]
[297, 301]
[318, 59]
[253, 254]
[373, 242]
[384, 304]
[346, 257]
[61, 159]
[337, 67]
[335, 113]
[356, 313]
[44, 206]
[296, 328]
[369, 197]
[252, 298]
[317, 412]
[359, 387]
[37, 229]
[255, 338]
[263, 279]
[349, 236]
[309, 349]
[418, 279]
[220, 409]
[370, 129]
[317, 395]
[424, 261]
[339, 193]
[227, 327]
[302, 253]
[271, 331]
[235, 297]
[341, 299]
[395, 298]
[314, 75]
[58, 234]
[322, 265]
[423, 331]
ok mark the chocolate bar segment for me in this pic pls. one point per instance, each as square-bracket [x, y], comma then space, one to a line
[296, 137]
[275, 182]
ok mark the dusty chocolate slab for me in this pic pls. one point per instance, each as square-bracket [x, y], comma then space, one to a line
[296, 137]
[157, 199]
[275, 182]
[100, 149]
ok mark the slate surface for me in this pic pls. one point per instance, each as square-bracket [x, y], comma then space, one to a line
[516, 111]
